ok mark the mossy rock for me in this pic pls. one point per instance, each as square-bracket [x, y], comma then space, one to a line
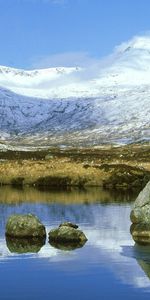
[22, 226]
[67, 234]
[69, 224]
[140, 217]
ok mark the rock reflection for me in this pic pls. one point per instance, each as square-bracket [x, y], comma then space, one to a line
[67, 246]
[145, 267]
[141, 252]
[24, 245]
[142, 255]
[140, 233]
[105, 223]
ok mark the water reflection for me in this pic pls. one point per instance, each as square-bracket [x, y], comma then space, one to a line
[145, 267]
[142, 255]
[12, 195]
[105, 222]
[141, 252]
[67, 246]
[24, 245]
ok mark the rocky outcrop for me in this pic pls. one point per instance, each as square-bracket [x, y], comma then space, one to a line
[25, 226]
[140, 217]
[67, 233]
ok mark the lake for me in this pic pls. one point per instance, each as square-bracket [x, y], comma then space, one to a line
[109, 266]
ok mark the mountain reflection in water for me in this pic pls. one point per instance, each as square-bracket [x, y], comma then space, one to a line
[109, 253]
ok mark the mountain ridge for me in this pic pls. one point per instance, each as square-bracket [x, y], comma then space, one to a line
[77, 106]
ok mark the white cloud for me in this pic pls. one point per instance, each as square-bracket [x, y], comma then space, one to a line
[91, 66]
[66, 59]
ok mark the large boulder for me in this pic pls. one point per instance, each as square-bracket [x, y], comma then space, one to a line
[67, 233]
[21, 226]
[140, 217]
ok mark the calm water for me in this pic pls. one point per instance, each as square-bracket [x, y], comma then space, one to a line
[109, 266]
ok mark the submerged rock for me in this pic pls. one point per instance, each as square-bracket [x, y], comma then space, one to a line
[140, 217]
[24, 245]
[21, 226]
[67, 233]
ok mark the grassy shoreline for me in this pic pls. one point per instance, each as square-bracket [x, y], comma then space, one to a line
[126, 167]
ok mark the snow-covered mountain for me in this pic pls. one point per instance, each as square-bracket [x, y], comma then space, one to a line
[103, 103]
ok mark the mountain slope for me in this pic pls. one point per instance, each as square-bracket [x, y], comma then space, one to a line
[74, 106]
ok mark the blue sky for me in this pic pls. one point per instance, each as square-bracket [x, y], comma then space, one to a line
[44, 33]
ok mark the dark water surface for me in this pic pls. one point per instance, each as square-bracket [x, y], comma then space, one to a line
[109, 266]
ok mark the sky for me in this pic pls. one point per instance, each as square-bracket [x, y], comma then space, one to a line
[49, 33]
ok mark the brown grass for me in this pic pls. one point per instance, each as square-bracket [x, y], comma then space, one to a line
[105, 166]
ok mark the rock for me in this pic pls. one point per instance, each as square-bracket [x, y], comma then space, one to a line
[21, 226]
[25, 245]
[140, 217]
[67, 233]
[141, 208]
[69, 224]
